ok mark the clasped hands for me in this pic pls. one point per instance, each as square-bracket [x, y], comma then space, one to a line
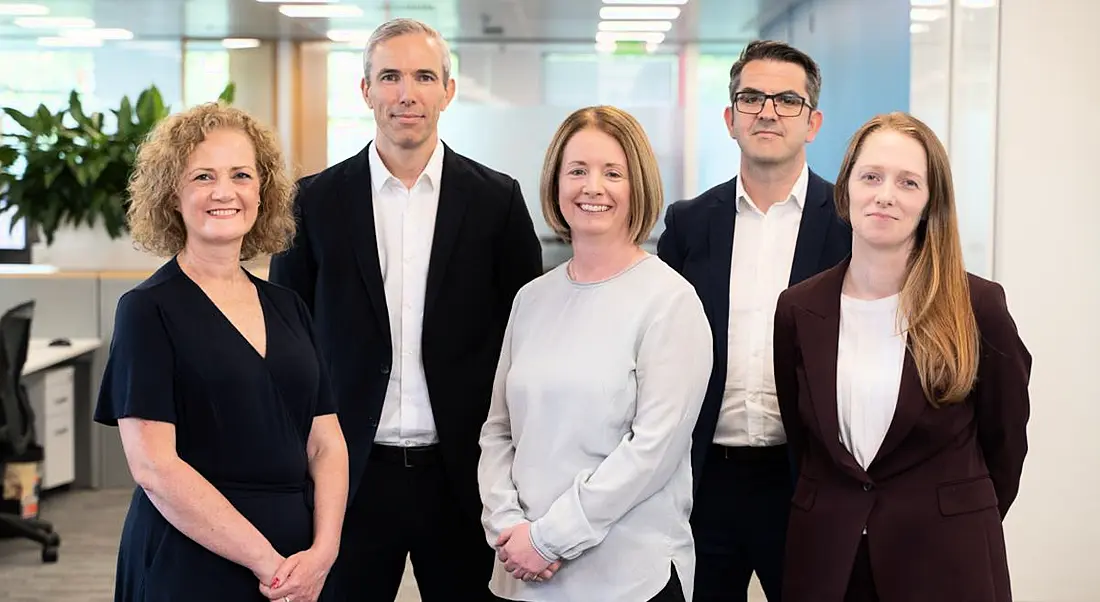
[519, 556]
[297, 578]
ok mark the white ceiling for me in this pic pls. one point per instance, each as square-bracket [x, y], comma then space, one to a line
[715, 21]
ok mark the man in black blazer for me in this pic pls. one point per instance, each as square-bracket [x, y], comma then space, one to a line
[409, 256]
[787, 230]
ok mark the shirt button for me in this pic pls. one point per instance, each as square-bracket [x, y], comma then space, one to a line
[384, 369]
[868, 486]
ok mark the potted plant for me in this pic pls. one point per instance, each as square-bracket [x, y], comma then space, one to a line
[72, 171]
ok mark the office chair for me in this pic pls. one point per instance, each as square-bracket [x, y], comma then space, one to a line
[17, 437]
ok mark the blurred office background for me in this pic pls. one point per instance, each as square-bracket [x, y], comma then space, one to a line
[1008, 85]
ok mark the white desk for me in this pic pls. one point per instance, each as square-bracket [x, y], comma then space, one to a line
[41, 356]
[59, 385]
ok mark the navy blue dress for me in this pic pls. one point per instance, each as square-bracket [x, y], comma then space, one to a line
[242, 421]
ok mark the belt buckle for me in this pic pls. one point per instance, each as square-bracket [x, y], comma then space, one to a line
[405, 456]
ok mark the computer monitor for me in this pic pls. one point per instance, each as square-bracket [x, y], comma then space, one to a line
[13, 241]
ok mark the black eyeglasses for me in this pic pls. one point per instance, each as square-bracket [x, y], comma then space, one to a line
[787, 104]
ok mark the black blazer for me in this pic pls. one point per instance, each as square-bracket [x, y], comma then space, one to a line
[483, 251]
[698, 243]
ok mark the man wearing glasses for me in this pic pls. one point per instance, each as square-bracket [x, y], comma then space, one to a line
[787, 230]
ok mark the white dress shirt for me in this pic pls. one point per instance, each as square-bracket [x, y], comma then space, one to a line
[404, 223]
[870, 356]
[588, 436]
[760, 269]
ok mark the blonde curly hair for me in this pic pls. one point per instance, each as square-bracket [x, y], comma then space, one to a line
[155, 221]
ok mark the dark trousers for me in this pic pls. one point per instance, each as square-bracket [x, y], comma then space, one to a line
[673, 591]
[861, 585]
[739, 522]
[406, 509]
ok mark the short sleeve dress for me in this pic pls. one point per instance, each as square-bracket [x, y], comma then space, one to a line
[241, 419]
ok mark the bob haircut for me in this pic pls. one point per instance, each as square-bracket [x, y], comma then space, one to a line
[646, 192]
[154, 218]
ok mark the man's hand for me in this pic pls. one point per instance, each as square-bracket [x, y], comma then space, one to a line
[519, 556]
[300, 578]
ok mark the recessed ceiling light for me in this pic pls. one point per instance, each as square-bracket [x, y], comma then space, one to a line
[63, 42]
[106, 33]
[654, 37]
[664, 13]
[23, 10]
[240, 43]
[635, 25]
[664, 2]
[54, 23]
[320, 11]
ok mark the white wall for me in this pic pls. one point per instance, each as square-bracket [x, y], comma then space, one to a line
[1045, 251]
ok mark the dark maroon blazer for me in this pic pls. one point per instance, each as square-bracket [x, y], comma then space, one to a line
[934, 496]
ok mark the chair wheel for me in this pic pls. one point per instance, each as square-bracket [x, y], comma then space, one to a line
[49, 554]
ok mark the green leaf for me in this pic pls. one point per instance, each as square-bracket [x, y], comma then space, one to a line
[8, 155]
[25, 121]
[52, 173]
[150, 108]
[46, 119]
[76, 111]
[125, 114]
[228, 94]
[96, 166]
[51, 217]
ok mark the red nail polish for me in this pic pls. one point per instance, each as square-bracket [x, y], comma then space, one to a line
[275, 583]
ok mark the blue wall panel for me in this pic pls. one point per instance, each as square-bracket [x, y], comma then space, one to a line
[862, 47]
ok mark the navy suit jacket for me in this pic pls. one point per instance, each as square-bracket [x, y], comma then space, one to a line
[698, 243]
[484, 249]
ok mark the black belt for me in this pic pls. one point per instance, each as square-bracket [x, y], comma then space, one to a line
[776, 453]
[409, 457]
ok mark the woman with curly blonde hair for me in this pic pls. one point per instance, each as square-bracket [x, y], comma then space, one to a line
[219, 393]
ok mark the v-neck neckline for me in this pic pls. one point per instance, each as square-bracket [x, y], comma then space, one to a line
[225, 319]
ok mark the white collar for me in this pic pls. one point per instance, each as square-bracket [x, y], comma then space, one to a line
[798, 191]
[380, 175]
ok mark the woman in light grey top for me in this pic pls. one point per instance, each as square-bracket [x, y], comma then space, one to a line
[585, 468]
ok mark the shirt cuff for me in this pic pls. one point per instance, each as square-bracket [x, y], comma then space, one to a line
[538, 544]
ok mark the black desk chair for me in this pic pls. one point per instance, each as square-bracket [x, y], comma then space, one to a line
[17, 438]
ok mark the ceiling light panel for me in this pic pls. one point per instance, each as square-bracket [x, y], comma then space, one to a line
[54, 23]
[23, 10]
[661, 2]
[320, 11]
[657, 13]
[635, 25]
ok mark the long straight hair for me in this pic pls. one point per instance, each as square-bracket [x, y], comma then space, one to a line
[935, 298]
